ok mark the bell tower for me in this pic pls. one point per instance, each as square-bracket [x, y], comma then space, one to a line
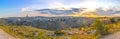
[27, 16]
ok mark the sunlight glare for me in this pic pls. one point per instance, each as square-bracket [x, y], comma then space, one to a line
[90, 5]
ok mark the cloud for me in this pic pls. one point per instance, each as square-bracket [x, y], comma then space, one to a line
[31, 13]
[38, 4]
[56, 5]
[105, 8]
[30, 8]
[68, 4]
[117, 8]
[35, 14]
[116, 15]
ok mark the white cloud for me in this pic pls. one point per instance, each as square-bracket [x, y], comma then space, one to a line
[60, 5]
[116, 15]
[24, 9]
[30, 8]
[56, 5]
[66, 4]
[117, 8]
[31, 13]
[106, 8]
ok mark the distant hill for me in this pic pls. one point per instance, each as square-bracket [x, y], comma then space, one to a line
[50, 23]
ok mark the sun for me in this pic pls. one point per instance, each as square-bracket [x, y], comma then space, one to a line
[90, 4]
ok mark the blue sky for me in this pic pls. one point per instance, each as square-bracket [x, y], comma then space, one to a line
[13, 7]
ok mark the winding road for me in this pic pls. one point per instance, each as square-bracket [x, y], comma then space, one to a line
[4, 35]
[112, 36]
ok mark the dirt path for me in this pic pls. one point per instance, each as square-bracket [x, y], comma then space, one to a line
[4, 35]
[112, 36]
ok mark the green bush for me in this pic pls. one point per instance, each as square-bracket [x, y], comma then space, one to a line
[112, 20]
[99, 27]
[60, 32]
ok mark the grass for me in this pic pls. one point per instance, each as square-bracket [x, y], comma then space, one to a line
[27, 32]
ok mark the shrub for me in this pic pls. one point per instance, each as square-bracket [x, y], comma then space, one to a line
[99, 27]
[112, 20]
[60, 32]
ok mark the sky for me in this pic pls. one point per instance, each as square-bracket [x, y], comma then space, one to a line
[16, 7]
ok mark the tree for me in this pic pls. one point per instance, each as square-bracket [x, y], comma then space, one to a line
[99, 27]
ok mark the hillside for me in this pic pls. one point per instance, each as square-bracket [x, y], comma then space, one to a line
[60, 27]
[49, 23]
[26, 32]
[85, 32]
